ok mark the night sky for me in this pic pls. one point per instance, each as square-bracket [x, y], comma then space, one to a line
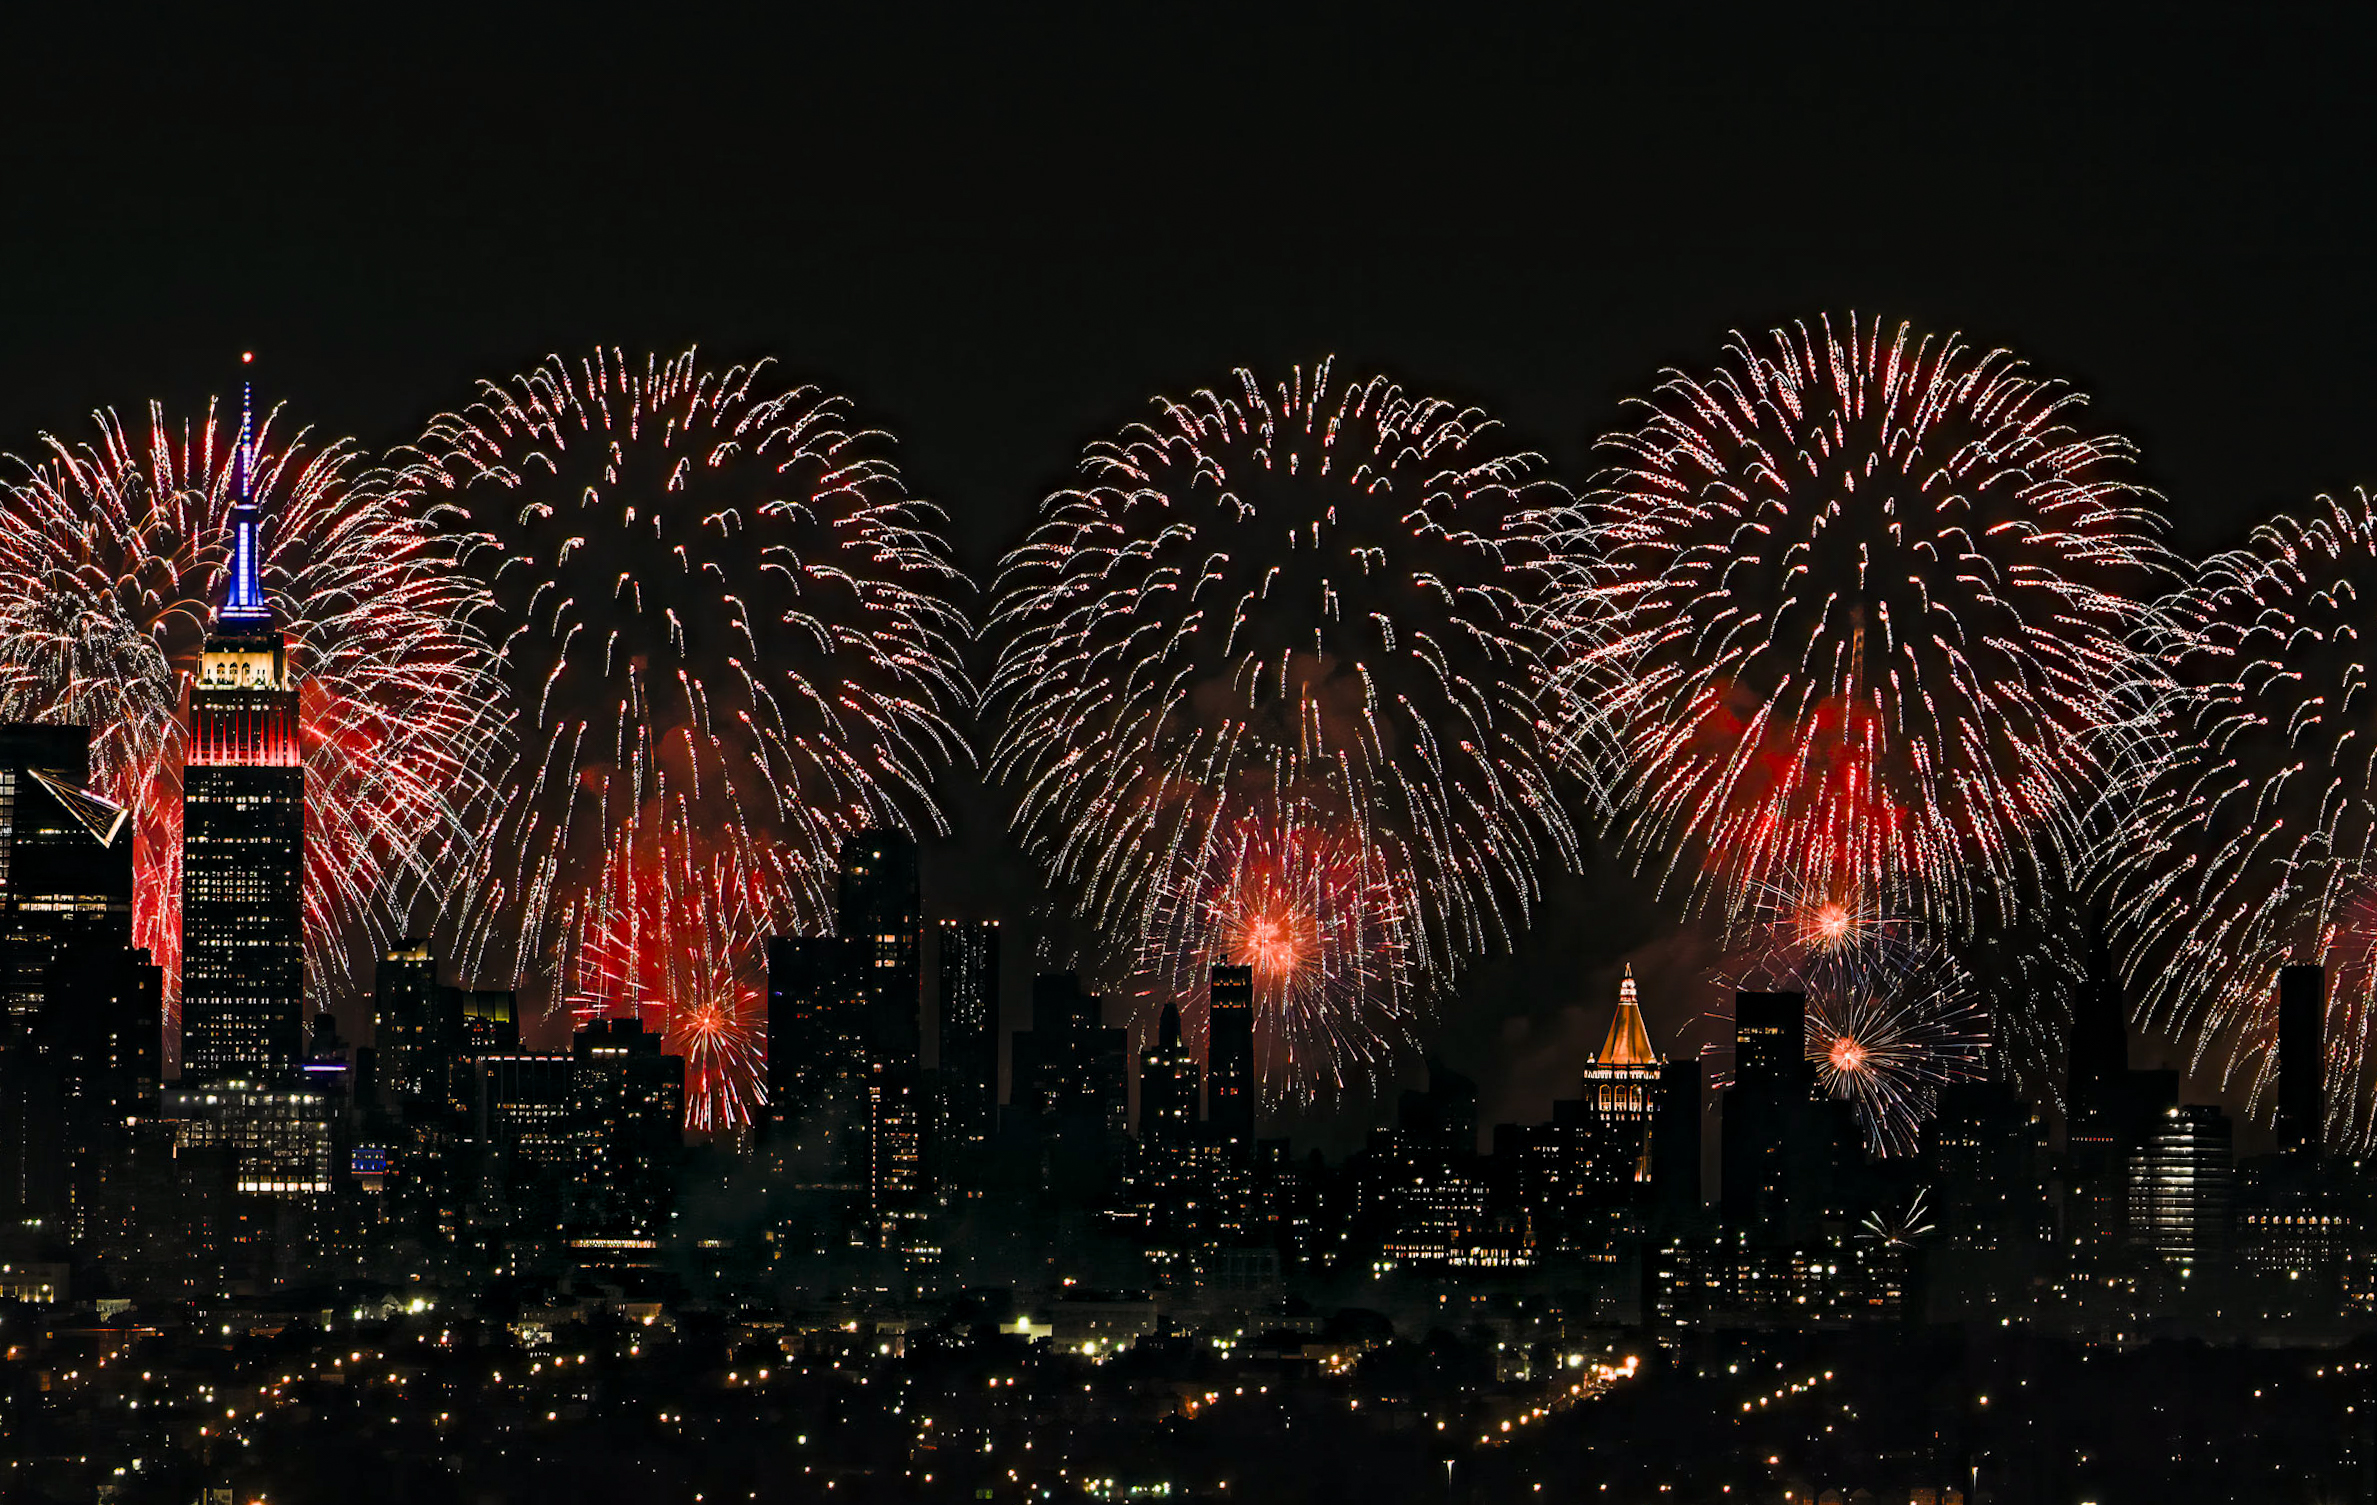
[1000, 240]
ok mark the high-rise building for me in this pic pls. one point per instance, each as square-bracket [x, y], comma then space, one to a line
[1071, 1085]
[969, 1054]
[2182, 1185]
[816, 1029]
[1230, 1052]
[1782, 1148]
[1675, 1142]
[627, 1112]
[526, 1131]
[2096, 1065]
[1980, 1147]
[404, 1027]
[2302, 1057]
[1168, 1086]
[243, 833]
[80, 1016]
[881, 917]
[2109, 1109]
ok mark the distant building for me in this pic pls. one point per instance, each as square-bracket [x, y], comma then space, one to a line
[1230, 1082]
[81, 1011]
[404, 1009]
[525, 1124]
[847, 1094]
[627, 1105]
[2302, 1057]
[968, 957]
[2182, 1186]
[1071, 1086]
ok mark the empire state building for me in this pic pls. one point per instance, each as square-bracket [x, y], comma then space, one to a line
[243, 832]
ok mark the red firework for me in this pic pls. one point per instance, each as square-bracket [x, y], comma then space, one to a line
[680, 944]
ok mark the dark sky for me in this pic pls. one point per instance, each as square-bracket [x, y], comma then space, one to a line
[1000, 238]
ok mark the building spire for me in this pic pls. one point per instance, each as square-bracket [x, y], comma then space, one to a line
[244, 606]
[1629, 1044]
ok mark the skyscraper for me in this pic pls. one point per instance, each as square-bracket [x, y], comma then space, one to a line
[1767, 1122]
[2302, 1056]
[243, 833]
[80, 1012]
[404, 1012]
[1621, 1098]
[627, 1109]
[1168, 1082]
[881, 917]
[816, 1028]
[969, 1056]
[1230, 1052]
[2182, 1185]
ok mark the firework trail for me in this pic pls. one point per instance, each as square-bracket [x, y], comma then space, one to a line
[717, 613]
[2260, 847]
[112, 560]
[685, 951]
[1864, 608]
[1286, 624]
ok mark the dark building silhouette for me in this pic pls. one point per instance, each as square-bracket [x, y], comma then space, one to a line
[80, 1010]
[1230, 1052]
[1980, 1149]
[2109, 1109]
[847, 1094]
[968, 957]
[1765, 1186]
[881, 920]
[2302, 1057]
[1675, 1141]
[1169, 1085]
[1422, 1195]
[1071, 1088]
[404, 1010]
[243, 836]
[524, 1125]
[816, 1028]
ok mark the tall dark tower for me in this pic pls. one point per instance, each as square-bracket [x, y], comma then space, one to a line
[1768, 1119]
[2302, 1056]
[969, 1024]
[243, 830]
[1230, 1052]
[882, 922]
[2096, 1067]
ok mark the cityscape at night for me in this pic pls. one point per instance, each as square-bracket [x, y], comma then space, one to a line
[903, 758]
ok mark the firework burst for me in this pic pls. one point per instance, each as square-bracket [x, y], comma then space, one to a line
[1892, 1016]
[1862, 608]
[722, 621]
[2261, 848]
[1286, 624]
[682, 947]
[1298, 902]
[113, 557]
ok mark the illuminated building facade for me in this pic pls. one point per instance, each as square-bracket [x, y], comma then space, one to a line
[2182, 1184]
[280, 1134]
[627, 1106]
[243, 836]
